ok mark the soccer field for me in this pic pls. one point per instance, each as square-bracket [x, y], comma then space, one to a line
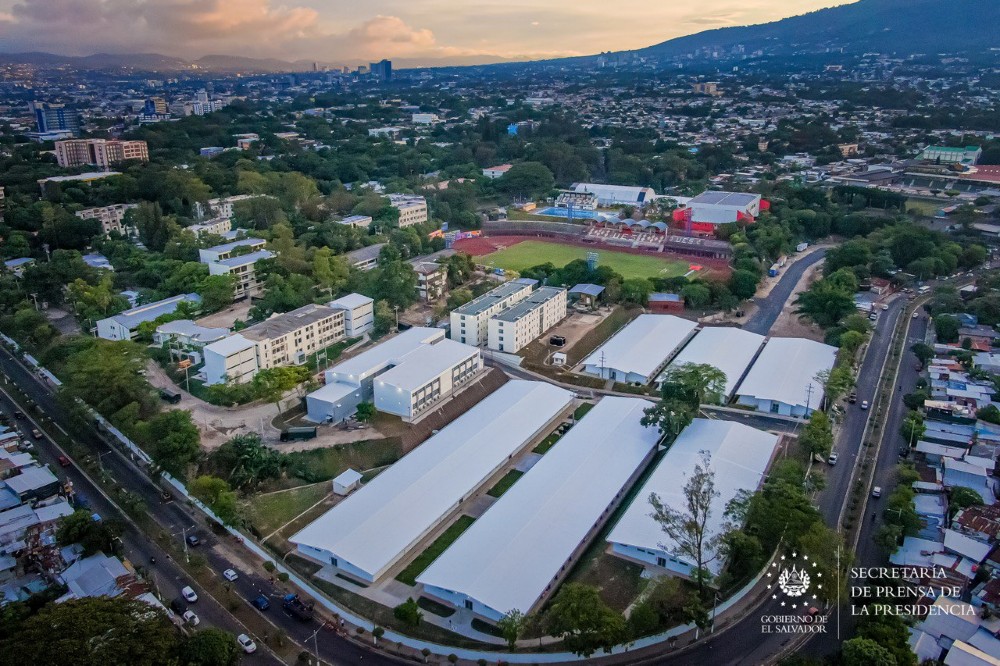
[532, 253]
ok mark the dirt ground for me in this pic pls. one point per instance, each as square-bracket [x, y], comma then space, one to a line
[226, 318]
[788, 324]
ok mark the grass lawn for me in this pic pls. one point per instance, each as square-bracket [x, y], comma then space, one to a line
[582, 410]
[924, 207]
[424, 559]
[504, 484]
[532, 253]
[269, 512]
[546, 444]
[323, 464]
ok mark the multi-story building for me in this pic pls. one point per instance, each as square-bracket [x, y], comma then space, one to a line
[495, 172]
[424, 118]
[359, 221]
[947, 155]
[226, 250]
[110, 217]
[223, 206]
[432, 280]
[470, 322]
[284, 339]
[218, 226]
[359, 313]
[509, 331]
[412, 209]
[381, 70]
[125, 325]
[51, 118]
[243, 268]
[155, 106]
[99, 152]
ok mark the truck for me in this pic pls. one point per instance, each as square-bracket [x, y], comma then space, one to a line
[298, 434]
[801, 246]
[297, 608]
[774, 270]
[170, 395]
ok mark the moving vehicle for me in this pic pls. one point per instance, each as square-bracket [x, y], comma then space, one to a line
[63, 461]
[877, 492]
[915, 314]
[193, 540]
[18, 414]
[191, 618]
[834, 457]
[261, 603]
[297, 608]
[36, 433]
[885, 306]
[230, 575]
[246, 643]
[923, 290]
[189, 594]
[864, 404]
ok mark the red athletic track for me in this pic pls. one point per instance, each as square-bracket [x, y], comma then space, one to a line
[483, 245]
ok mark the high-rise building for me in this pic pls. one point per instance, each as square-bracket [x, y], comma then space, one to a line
[55, 118]
[155, 105]
[381, 70]
[99, 152]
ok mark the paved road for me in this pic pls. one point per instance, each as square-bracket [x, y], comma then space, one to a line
[174, 517]
[769, 307]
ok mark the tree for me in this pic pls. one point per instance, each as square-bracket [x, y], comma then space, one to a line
[891, 632]
[825, 303]
[365, 412]
[395, 283]
[923, 352]
[511, 625]
[408, 613]
[154, 227]
[105, 375]
[989, 413]
[172, 439]
[585, 623]
[636, 290]
[246, 461]
[913, 427]
[670, 415]
[210, 647]
[94, 631]
[851, 341]
[272, 384]
[215, 493]
[687, 530]
[384, 318]
[527, 180]
[93, 535]
[696, 295]
[866, 652]
[698, 383]
[962, 498]
[331, 272]
[946, 327]
[216, 292]
[835, 382]
[817, 436]
[743, 284]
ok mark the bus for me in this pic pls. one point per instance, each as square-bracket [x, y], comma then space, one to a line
[170, 395]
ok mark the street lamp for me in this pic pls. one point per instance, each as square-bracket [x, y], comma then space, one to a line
[396, 310]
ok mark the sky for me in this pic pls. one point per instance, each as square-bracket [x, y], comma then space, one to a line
[354, 31]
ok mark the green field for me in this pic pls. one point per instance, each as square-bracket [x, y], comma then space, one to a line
[532, 253]
[424, 559]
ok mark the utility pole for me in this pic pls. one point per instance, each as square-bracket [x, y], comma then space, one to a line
[396, 310]
[315, 639]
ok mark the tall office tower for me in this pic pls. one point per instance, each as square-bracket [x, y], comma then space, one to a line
[55, 118]
[381, 70]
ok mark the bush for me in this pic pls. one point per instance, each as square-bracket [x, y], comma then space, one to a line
[269, 566]
[408, 613]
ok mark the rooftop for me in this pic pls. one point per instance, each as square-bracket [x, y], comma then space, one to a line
[538, 299]
[489, 299]
[246, 259]
[279, 325]
[731, 350]
[351, 301]
[425, 363]
[786, 369]
[135, 316]
[386, 353]
[643, 345]
[712, 198]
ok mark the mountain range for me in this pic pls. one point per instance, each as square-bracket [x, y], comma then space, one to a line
[903, 27]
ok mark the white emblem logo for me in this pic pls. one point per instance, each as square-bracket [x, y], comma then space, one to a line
[795, 576]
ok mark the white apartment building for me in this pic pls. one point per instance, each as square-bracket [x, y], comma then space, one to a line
[111, 217]
[359, 313]
[225, 251]
[512, 329]
[284, 339]
[470, 322]
[412, 209]
[125, 325]
[244, 268]
[495, 172]
[223, 206]
[218, 226]
[424, 118]
[358, 221]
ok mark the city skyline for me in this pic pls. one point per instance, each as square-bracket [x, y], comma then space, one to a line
[412, 33]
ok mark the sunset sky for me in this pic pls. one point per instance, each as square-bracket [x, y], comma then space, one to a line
[352, 31]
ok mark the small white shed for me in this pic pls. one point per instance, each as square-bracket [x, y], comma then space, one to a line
[347, 482]
[559, 358]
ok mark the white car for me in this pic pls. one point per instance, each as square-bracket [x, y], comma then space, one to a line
[876, 492]
[230, 575]
[189, 594]
[246, 643]
[832, 460]
[864, 404]
[191, 618]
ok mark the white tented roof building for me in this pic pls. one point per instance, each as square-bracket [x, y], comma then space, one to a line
[783, 378]
[639, 351]
[374, 528]
[517, 552]
[731, 350]
[740, 456]
[608, 195]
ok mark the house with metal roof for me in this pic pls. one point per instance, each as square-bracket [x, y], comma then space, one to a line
[638, 352]
[125, 325]
[784, 378]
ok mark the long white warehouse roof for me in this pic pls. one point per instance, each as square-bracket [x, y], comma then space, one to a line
[375, 526]
[643, 345]
[786, 368]
[387, 353]
[511, 554]
[740, 456]
[728, 349]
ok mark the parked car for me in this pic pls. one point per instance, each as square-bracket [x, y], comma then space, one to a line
[18, 414]
[193, 540]
[853, 398]
[230, 575]
[885, 306]
[63, 461]
[178, 606]
[246, 643]
[191, 618]
[188, 593]
[261, 603]
[876, 492]
[916, 314]
[834, 457]
[864, 404]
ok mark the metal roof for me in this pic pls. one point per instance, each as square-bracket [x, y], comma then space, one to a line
[387, 353]
[425, 363]
[379, 523]
[282, 324]
[643, 346]
[587, 289]
[489, 299]
[507, 558]
[131, 319]
[739, 456]
[712, 198]
[786, 368]
[538, 299]
[728, 349]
